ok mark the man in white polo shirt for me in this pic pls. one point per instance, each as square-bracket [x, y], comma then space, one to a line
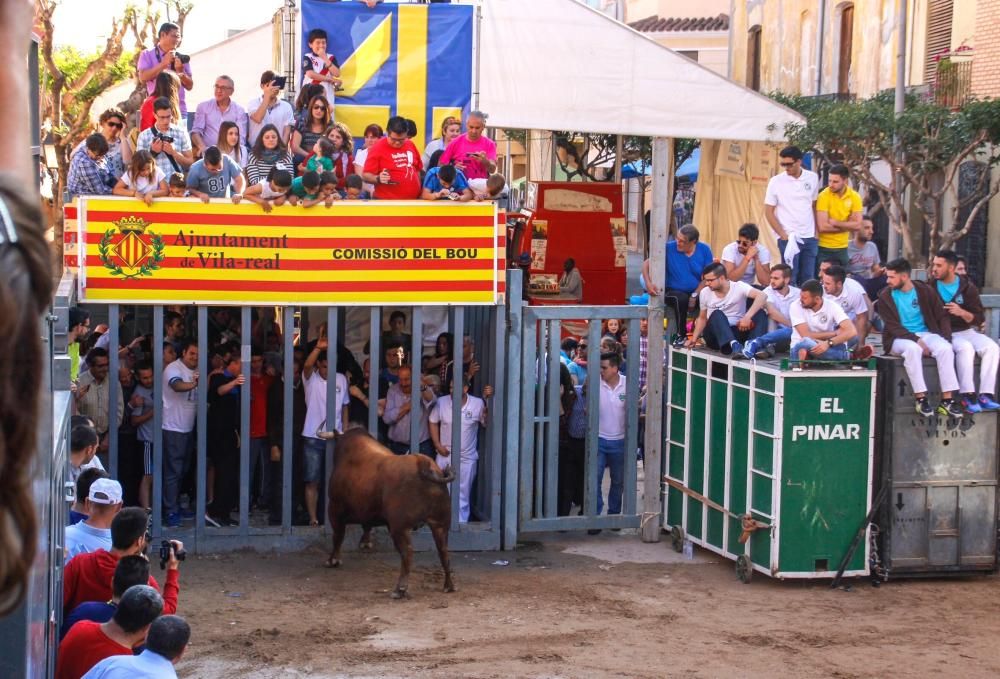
[820, 328]
[745, 259]
[780, 295]
[727, 315]
[611, 434]
[790, 208]
[851, 297]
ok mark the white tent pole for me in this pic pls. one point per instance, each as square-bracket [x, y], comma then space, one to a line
[477, 47]
[663, 189]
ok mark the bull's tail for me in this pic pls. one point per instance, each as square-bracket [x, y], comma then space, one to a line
[446, 477]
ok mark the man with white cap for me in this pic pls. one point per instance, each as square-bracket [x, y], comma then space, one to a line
[104, 501]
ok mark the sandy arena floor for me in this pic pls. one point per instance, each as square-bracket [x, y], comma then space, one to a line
[573, 606]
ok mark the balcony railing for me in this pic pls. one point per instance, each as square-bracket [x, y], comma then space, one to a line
[953, 81]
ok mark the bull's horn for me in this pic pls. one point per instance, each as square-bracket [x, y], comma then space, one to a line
[326, 435]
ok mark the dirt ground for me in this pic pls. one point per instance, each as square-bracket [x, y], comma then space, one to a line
[572, 606]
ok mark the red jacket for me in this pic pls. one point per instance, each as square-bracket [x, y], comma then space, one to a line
[84, 646]
[88, 578]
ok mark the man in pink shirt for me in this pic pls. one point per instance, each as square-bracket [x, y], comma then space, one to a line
[472, 153]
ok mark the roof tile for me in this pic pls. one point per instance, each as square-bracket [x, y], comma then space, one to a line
[655, 24]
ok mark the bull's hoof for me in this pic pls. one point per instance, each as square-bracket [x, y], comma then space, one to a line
[333, 563]
[399, 594]
[449, 587]
[367, 546]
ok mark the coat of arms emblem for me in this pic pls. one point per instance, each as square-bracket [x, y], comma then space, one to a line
[131, 250]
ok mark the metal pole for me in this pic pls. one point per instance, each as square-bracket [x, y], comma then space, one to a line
[478, 51]
[619, 161]
[893, 248]
[663, 184]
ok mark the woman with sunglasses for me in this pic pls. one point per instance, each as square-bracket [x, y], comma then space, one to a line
[305, 135]
[120, 149]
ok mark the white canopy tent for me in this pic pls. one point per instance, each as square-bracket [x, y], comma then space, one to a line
[560, 65]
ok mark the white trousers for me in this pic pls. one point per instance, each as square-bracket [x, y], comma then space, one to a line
[466, 474]
[913, 355]
[967, 344]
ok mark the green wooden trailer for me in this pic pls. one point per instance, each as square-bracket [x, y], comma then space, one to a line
[779, 457]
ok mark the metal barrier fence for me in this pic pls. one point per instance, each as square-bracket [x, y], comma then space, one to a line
[532, 477]
[484, 325]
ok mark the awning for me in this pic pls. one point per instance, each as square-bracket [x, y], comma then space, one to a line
[560, 65]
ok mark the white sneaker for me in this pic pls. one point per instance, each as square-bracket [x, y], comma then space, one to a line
[212, 522]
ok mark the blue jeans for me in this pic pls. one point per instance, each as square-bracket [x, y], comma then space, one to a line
[838, 352]
[780, 337]
[719, 334]
[177, 448]
[804, 263]
[611, 454]
[313, 452]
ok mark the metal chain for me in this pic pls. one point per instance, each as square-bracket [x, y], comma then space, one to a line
[879, 573]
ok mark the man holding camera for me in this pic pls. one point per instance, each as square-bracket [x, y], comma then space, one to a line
[169, 143]
[88, 576]
[268, 108]
[165, 57]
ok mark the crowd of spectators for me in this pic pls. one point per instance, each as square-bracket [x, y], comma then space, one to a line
[272, 152]
[115, 615]
[397, 374]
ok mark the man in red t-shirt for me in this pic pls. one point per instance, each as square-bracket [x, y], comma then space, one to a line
[394, 164]
[88, 643]
[88, 577]
[260, 448]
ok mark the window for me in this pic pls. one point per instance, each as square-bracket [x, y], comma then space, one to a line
[753, 58]
[690, 54]
[845, 47]
[939, 15]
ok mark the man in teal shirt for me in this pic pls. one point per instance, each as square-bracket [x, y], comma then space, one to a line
[916, 324]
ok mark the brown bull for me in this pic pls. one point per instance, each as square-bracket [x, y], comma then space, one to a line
[372, 487]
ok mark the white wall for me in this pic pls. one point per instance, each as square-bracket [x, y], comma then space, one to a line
[243, 58]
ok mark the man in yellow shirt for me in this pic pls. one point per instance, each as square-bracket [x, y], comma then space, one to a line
[838, 216]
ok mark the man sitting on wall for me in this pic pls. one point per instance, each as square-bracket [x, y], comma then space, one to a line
[960, 297]
[731, 312]
[820, 327]
[917, 325]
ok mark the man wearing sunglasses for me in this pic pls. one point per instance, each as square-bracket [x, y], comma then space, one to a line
[790, 208]
[745, 260]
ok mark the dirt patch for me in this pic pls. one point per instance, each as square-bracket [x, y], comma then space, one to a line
[552, 613]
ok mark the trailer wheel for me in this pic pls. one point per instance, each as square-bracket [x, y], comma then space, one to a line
[677, 539]
[744, 569]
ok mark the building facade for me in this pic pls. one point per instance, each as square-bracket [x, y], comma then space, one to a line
[699, 31]
[833, 47]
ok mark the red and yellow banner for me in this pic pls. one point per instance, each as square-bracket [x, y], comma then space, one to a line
[394, 253]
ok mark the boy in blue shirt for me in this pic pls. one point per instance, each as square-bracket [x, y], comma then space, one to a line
[446, 182]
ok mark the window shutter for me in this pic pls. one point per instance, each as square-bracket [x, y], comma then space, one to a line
[939, 14]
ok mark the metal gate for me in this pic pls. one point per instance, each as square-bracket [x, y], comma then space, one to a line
[532, 474]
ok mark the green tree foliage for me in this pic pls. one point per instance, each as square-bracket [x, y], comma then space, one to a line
[73, 63]
[934, 143]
